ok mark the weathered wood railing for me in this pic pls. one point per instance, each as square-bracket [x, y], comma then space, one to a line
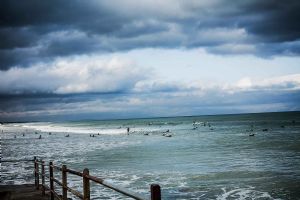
[86, 178]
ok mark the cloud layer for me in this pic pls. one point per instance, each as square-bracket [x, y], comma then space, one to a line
[97, 87]
[70, 76]
[39, 31]
[71, 59]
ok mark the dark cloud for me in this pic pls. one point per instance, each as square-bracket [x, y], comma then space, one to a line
[37, 31]
[17, 38]
[60, 13]
[276, 21]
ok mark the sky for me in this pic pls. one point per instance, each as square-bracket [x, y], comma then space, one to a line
[112, 59]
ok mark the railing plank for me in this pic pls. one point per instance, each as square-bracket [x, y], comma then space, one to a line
[75, 192]
[56, 167]
[74, 172]
[39, 162]
[57, 181]
[116, 188]
[57, 196]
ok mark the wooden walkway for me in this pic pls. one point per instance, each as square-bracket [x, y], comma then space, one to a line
[21, 192]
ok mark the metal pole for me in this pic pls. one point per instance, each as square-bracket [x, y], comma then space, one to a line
[51, 180]
[86, 185]
[155, 192]
[64, 182]
[43, 178]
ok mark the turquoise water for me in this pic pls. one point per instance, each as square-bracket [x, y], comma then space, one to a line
[207, 157]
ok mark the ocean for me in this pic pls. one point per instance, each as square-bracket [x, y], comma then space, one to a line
[204, 157]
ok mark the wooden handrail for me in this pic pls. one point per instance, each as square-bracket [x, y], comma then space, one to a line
[74, 172]
[75, 192]
[86, 178]
[56, 167]
[56, 195]
[39, 162]
[116, 188]
[57, 181]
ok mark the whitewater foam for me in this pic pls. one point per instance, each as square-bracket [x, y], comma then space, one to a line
[244, 193]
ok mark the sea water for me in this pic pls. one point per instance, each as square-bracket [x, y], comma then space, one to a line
[206, 157]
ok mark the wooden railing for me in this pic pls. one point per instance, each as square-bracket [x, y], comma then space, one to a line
[86, 178]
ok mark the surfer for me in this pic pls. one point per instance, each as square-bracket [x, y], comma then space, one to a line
[40, 137]
[128, 129]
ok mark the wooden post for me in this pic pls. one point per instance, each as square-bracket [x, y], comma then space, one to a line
[37, 175]
[51, 181]
[43, 178]
[86, 185]
[155, 192]
[64, 182]
[35, 181]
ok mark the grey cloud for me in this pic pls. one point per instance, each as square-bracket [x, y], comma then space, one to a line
[76, 75]
[17, 38]
[277, 20]
[28, 28]
[141, 27]
[119, 105]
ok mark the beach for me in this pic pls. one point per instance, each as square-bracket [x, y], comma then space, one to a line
[197, 157]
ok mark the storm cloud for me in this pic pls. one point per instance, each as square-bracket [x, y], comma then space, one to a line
[75, 59]
[35, 31]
